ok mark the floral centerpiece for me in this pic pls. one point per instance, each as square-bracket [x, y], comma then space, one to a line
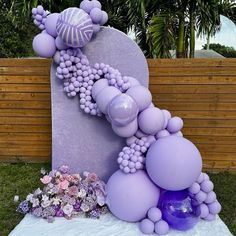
[66, 195]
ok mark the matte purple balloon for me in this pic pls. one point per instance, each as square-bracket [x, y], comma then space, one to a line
[167, 115]
[151, 120]
[98, 87]
[173, 163]
[60, 44]
[104, 18]
[207, 186]
[211, 197]
[214, 207]
[44, 45]
[204, 210]
[146, 226]
[122, 110]
[162, 134]
[154, 214]
[179, 210]
[105, 97]
[133, 82]
[96, 4]
[96, 15]
[57, 57]
[141, 95]
[161, 227]
[130, 196]
[175, 124]
[126, 131]
[86, 5]
[51, 24]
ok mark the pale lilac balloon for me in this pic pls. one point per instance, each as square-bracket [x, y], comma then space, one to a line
[167, 115]
[146, 226]
[44, 45]
[133, 82]
[57, 58]
[126, 131]
[151, 120]
[179, 134]
[204, 211]
[214, 207]
[210, 217]
[207, 186]
[105, 97]
[131, 140]
[173, 163]
[96, 28]
[175, 124]
[75, 27]
[201, 196]
[161, 227]
[195, 188]
[162, 134]
[60, 44]
[154, 214]
[51, 24]
[122, 110]
[96, 15]
[96, 4]
[200, 178]
[211, 197]
[130, 196]
[86, 5]
[98, 87]
[140, 134]
[141, 95]
[104, 18]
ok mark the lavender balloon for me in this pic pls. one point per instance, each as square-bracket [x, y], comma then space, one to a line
[75, 27]
[51, 24]
[179, 210]
[129, 197]
[122, 110]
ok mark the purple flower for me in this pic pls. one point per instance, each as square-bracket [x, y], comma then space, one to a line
[52, 173]
[48, 211]
[64, 169]
[23, 207]
[77, 206]
[59, 213]
[37, 211]
[95, 213]
[50, 219]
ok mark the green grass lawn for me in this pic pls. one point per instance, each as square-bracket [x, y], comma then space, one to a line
[21, 179]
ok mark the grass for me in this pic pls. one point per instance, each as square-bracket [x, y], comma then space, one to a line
[21, 179]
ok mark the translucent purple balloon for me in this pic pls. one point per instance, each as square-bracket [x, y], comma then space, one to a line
[129, 197]
[44, 45]
[105, 97]
[122, 110]
[179, 210]
[126, 131]
[51, 24]
[75, 27]
[151, 120]
[173, 163]
[141, 95]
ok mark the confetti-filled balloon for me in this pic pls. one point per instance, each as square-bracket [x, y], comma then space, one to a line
[129, 197]
[44, 45]
[122, 110]
[51, 24]
[179, 210]
[75, 27]
[173, 163]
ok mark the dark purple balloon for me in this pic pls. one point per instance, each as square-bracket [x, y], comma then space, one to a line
[179, 210]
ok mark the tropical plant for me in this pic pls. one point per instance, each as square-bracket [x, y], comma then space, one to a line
[225, 51]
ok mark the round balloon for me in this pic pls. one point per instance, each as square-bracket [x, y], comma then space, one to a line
[44, 45]
[60, 44]
[75, 27]
[130, 196]
[173, 163]
[51, 24]
[98, 87]
[122, 110]
[179, 210]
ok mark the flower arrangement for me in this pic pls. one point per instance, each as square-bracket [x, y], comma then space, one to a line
[66, 195]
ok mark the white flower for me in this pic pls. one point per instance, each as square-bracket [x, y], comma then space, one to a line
[37, 191]
[16, 198]
[82, 193]
[68, 209]
[29, 197]
[45, 198]
[84, 207]
[35, 202]
[43, 171]
[56, 201]
[45, 204]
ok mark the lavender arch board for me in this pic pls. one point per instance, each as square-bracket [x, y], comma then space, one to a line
[81, 141]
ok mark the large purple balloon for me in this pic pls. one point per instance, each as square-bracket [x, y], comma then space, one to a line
[179, 210]
[129, 197]
[44, 45]
[173, 163]
[51, 24]
[122, 110]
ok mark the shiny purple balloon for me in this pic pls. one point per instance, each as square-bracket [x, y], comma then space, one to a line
[179, 210]
[122, 110]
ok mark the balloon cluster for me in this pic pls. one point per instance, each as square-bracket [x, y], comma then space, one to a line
[154, 223]
[157, 157]
[202, 192]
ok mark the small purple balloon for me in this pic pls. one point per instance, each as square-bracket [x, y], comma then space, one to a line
[86, 5]
[104, 18]
[96, 15]
[98, 87]
[126, 131]
[154, 214]
[44, 45]
[179, 210]
[146, 226]
[133, 82]
[122, 110]
[161, 227]
[51, 24]
[130, 196]
[60, 44]
[175, 124]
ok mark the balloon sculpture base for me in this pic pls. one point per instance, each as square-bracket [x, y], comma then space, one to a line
[106, 225]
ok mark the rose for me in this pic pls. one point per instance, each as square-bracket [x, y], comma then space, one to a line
[92, 177]
[68, 209]
[46, 179]
[64, 184]
[73, 191]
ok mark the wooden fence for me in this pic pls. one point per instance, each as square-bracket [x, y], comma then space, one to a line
[201, 91]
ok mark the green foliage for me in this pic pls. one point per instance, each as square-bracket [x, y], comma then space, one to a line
[225, 51]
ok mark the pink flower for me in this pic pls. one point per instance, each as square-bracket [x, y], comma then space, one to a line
[46, 179]
[92, 177]
[64, 184]
[73, 191]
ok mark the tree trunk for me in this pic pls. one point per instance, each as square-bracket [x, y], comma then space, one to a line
[192, 36]
[180, 40]
[208, 41]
